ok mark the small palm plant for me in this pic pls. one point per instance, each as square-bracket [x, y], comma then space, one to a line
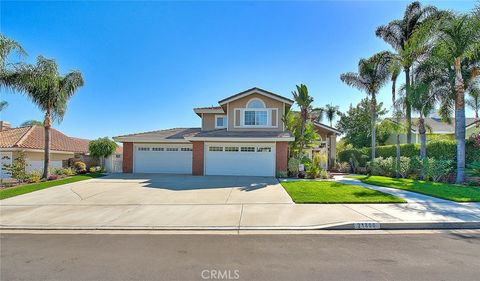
[331, 111]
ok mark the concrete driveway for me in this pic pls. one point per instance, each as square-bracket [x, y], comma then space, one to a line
[159, 189]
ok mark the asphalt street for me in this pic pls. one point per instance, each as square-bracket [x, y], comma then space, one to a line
[430, 256]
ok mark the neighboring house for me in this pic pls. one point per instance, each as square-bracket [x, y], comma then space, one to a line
[436, 129]
[113, 163]
[326, 146]
[30, 140]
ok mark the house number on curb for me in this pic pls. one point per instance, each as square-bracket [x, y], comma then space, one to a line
[366, 225]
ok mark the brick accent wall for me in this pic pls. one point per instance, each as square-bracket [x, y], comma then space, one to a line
[281, 156]
[197, 158]
[127, 157]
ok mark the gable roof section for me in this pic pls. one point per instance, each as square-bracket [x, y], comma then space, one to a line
[211, 109]
[328, 128]
[258, 91]
[168, 135]
[437, 126]
[32, 137]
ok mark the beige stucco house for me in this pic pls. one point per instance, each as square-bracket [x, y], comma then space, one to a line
[244, 135]
[30, 141]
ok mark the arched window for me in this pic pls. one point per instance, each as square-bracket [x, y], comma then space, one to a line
[255, 103]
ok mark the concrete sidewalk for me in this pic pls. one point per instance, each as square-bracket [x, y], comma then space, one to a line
[239, 216]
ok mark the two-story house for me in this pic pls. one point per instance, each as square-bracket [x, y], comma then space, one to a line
[245, 135]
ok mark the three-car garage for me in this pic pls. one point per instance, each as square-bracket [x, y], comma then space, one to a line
[236, 159]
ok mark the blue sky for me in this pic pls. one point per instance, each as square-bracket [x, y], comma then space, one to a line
[147, 64]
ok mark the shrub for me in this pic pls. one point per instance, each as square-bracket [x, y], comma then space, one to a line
[442, 150]
[324, 174]
[79, 166]
[473, 170]
[343, 167]
[52, 177]
[57, 171]
[69, 172]
[357, 155]
[34, 177]
[293, 166]
[92, 169]
[314, 169]
[405, 167]
[382, 166]
[281, 174]
[17, 169]
[438, 169]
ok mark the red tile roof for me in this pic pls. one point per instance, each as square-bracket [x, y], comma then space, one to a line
[32, 137]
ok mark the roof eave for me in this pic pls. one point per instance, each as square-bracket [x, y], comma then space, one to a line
[258, 90]
[239, 139]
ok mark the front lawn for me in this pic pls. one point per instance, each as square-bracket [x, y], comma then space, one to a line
[335, 192]
[19, 190]
[454, 192]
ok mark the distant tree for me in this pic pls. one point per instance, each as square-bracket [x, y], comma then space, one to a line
[3, 105]
[31, 123]
[355, 123]
[473, 100]
[331, 111]
[102, 148]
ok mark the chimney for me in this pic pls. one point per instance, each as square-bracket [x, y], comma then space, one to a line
[4, 125]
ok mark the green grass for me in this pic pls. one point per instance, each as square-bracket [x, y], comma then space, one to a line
[454, 192]
[27, 188]
[334, 192]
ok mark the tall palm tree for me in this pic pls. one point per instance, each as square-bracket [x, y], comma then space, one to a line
[373, 73]
[7, 47]
[304, 101]
[331, 111]
[395, 69]
[48, 90]
[458, 37]
[397, 33]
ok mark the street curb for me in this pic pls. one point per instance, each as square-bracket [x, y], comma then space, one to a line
[361, 225]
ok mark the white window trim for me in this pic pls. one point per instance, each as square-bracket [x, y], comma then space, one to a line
[225, 122]
[269, 118]
[256, 99]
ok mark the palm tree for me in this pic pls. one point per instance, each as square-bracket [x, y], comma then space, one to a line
[8, 46]
[458, 37]
[3, 105]
[395, 69]
[48, 90]
[331, 111]
[373, 73]
[304, 101]
[423, 100]
[32, 123]
[397, 33]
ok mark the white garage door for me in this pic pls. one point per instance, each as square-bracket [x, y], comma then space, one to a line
[166, 158]
[240, 159]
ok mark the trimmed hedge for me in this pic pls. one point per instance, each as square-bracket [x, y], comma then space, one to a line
[440, 150]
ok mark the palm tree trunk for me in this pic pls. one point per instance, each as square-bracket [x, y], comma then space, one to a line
[303, 115]
[46, 157]
[460, 121]
[423, 144]
[398, 156]
[408, 106]
[374, 123]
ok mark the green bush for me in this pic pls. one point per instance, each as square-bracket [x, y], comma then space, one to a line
[343, 167]
[314, 169]
[79, 166]
[324, 174]
[357, 155]
[17, 169]
[405, 166]
[69, 172]
[382, 166]
[34, 177]
[293, 166]
[442, 150]
[281, 174]
[438, 170]
[57, 171]
[473, 170]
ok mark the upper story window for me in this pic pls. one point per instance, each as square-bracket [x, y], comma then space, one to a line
[256, 114]
[220, 121]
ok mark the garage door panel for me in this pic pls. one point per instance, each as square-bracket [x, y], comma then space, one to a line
[240, 159]
[175, 159]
